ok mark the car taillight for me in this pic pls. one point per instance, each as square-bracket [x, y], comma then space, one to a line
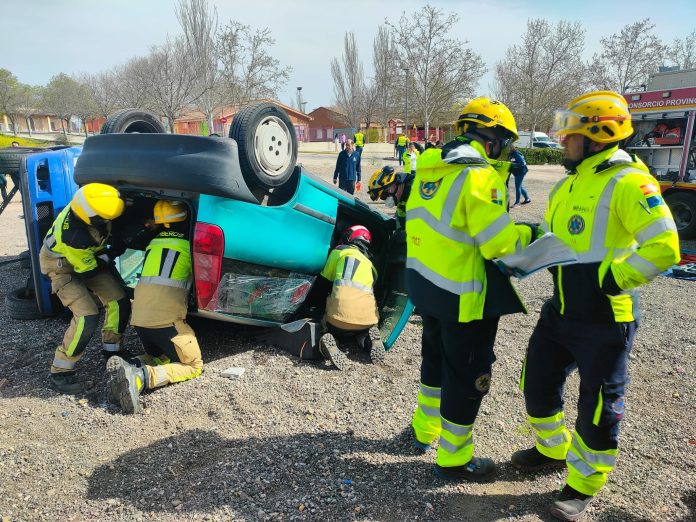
[208, 250]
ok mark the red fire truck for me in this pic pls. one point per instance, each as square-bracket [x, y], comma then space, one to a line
[665, 140]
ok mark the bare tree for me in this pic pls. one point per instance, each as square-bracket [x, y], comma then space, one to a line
[174, 80]
[443, 69]
[249, 70]
[83, 104]
[369, 104]
[683, 52]
[28, 103]
[349, 80]
[59, 99]
[541, 73]
[103, 91]
[627, 58]
[383, 62]
[9, 96]
[132, 81]
[199, 23]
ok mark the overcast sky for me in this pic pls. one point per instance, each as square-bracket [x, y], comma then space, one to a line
[46, 37]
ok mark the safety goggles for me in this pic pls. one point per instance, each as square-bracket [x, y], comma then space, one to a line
[568, 121]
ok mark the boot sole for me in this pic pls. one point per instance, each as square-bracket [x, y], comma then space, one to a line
[128, 396]
[113, 364]
[329, 349]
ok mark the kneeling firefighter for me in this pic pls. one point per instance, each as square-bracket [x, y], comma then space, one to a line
[75, 256]
[159, 314]
[351, 309]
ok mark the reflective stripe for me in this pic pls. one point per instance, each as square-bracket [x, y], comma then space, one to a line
[85, 206]
[591, 457]
[547, 426]
[166, 218]
[63, 364]
[493, 229]
[579, 464]
[48, 248]
[439, 226]
[433, 393]
[165, 281]
[456, 287]
[554, 441]
[453, 448]
[353, 284]
[349, 268]
[111, 347]
[655, 228]
[430, 411]
[463, 151]
[456, 429]
[168, 264]
[645, 267]
[601, 217]
[453, 196]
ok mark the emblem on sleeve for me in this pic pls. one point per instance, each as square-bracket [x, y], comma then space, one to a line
[428, 189]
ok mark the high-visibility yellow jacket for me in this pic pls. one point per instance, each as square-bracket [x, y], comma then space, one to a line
[161, 295]
[78, 242]
[401, 141]
[610, 211]
[359, 139]
[352, 301]
[406, 156]
[456, 219]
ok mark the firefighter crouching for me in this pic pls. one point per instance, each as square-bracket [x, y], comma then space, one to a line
[351, 309]
[75, 257]
[456, 221]
[159, 312]
[610, 211]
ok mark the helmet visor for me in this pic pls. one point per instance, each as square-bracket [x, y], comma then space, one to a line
[567, 121]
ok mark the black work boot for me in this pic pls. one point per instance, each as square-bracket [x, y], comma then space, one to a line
[122, 353]
[476, 470]
[329, 349]
[66, 382]
[127, 384]
[570, 504]
[531, 460]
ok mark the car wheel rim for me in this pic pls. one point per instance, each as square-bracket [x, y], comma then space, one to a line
[273, 146]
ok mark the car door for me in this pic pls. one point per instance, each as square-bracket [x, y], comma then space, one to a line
[47, 186]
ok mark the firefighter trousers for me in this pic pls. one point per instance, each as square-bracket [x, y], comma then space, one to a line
[456, 366]
[75, 293]
[172, 354]
[557, 346]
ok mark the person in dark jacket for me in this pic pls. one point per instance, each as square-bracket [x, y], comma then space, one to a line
[347, 171]
[519, 171]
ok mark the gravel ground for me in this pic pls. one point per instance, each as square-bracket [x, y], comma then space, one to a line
[295, 440]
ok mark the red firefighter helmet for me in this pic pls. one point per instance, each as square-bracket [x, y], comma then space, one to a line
[357, 233]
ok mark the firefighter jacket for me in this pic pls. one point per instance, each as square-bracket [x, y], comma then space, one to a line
[406, 158]
[455, 221]
[76, 241]
[352, 301]
[161, 295]
[401, 141]
[359, 139]
[610, 211]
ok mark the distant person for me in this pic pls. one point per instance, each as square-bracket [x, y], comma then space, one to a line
[347, 171]
[411, 157]
[519, 171]
[336, 142]
[359, 140]
[343, 140]
[401, 143]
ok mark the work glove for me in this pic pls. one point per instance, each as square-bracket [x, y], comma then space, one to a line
[534, 227]
[335, 180]
[357, 186]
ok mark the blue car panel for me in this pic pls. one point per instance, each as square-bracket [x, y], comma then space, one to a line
[47, 187]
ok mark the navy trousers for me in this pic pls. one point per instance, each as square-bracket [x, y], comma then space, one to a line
[600, 353]
[458, 358]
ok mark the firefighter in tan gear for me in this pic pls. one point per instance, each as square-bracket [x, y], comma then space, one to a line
[456, 222]
[75, 256]
[159, 314]
[351, 309]
[610, 211]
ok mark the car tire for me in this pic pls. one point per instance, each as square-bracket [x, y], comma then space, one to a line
[132, 120]
[21, 304]
[683, 208]
[267, 145]
[11, 158]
